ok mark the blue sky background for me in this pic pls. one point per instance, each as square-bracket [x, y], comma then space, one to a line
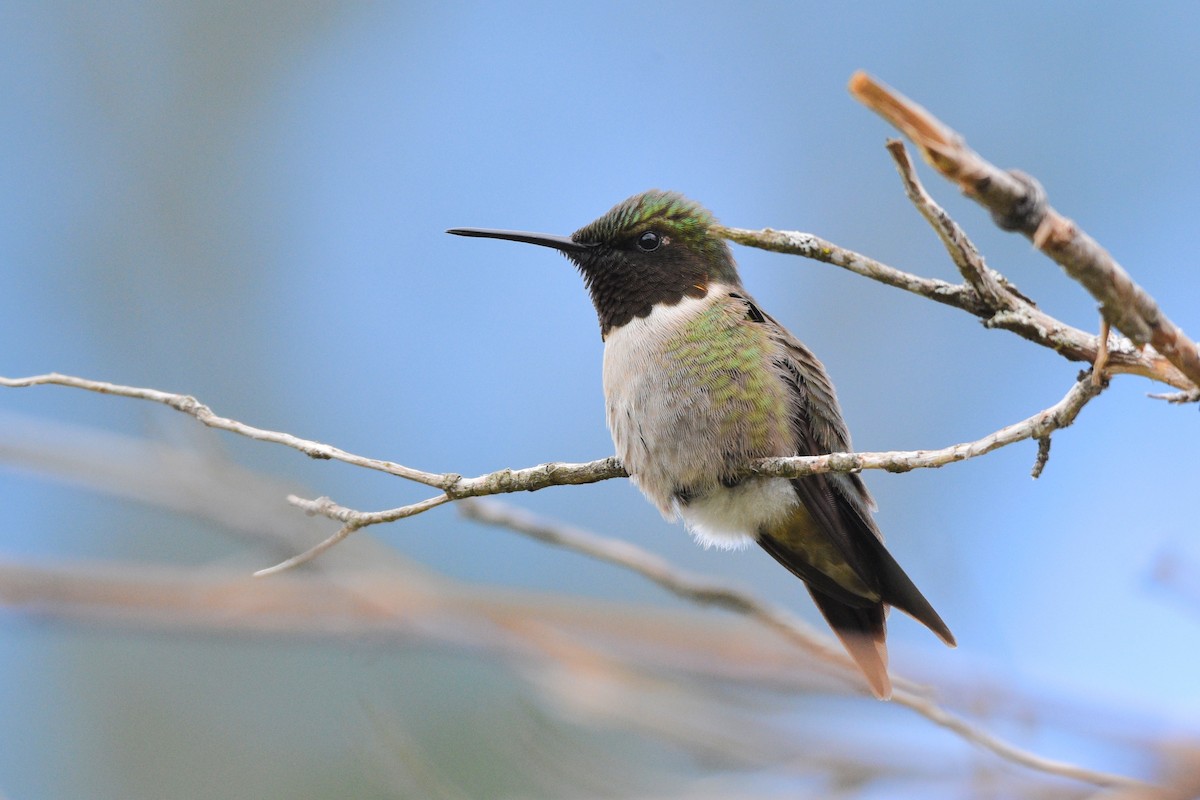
[246, 202]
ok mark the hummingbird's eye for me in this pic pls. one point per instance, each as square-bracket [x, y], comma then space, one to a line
[649, 241]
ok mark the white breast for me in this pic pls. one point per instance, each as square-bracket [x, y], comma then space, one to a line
[664, 428]
[643, 393]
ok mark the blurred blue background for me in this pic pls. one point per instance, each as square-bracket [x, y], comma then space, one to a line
[246, 202]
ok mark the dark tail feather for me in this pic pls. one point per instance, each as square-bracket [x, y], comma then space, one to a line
[898, 590]
[862, 631]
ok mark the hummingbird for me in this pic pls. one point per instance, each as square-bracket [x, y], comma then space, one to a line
[699, 382]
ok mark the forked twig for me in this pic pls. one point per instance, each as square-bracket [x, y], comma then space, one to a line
[1017, 202]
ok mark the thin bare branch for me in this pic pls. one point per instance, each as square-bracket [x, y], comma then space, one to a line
[193, 407]
[705, 591]
[354, 520]
[1010, 752]
[1017, 202]
[808, 245]
[456, 487]
[986, 282]
[1026, 320]
[1038, 426]
[529, 479]
[1190, 396]
[1043, 456]
[1102, 352]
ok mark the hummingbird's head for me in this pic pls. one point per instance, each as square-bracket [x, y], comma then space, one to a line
[654, 248]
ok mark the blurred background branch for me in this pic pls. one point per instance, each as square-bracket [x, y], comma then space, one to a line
[599, 660]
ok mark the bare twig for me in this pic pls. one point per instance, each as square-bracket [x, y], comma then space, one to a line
[354, 520]
[528, 479]
[808, 245]
[707, 592]
[1010, 752]
[1101, 352]
[1039, 426]
[193, 407]
[1043, 456]
[1190, 396]
[1026, 320]
[963, 253]
[1018, 203]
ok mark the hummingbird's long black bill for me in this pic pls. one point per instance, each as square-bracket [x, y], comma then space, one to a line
[563, 244]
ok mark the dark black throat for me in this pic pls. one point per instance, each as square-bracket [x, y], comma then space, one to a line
[624, 287]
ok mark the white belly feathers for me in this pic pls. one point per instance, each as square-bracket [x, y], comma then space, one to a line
[665, 432]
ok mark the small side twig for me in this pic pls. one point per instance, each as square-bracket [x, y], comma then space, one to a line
[354, 520]
[1101, 352]
[1043, 456]
[1191, 396]
[962, 251]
